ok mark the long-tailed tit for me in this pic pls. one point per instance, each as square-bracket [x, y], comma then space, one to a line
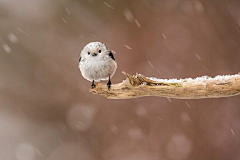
[97, 63]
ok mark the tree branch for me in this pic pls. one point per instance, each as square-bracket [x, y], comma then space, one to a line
[202, 87]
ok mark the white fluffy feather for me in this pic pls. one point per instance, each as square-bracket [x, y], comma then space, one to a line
[96, 67]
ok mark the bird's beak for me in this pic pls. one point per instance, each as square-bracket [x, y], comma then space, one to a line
[94, 54]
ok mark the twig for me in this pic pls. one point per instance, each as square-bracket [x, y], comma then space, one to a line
[202, 87]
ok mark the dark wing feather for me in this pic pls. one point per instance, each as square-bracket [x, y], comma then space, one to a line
[111, 55]
[80, 59]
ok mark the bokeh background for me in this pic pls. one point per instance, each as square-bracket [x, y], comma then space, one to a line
[46, 111]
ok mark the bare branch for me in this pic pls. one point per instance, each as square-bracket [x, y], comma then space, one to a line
[202, 87]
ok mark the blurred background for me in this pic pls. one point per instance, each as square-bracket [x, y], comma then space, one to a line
[46, 111]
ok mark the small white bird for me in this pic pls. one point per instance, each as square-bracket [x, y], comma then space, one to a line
[97, 63]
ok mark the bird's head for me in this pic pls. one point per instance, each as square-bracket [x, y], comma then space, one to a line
[93, 49]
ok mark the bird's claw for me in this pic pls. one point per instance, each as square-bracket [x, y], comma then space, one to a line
[93, 86]
[109, 85]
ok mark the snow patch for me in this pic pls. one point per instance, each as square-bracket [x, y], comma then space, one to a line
[201, 80]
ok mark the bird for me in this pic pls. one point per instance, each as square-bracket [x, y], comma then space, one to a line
[97, 63]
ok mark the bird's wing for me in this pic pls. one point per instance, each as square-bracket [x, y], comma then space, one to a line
[111, 55]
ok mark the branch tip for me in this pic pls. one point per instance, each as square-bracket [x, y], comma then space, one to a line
[133, 80]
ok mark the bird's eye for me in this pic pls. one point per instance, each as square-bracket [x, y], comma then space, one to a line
[88, 53]
[99, 51]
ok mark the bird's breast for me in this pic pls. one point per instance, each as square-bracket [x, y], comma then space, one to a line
[98, 69]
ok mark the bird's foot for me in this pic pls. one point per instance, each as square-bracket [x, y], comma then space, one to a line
[109, 85]
[93, 85]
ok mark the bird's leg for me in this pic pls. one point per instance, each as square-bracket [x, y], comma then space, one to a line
[93, 85]
[109, 83]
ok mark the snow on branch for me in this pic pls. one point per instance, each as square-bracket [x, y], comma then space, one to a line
[202, 87]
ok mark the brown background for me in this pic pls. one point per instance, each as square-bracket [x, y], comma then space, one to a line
[46, 111]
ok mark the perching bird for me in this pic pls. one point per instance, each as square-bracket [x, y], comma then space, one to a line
[97, 63]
